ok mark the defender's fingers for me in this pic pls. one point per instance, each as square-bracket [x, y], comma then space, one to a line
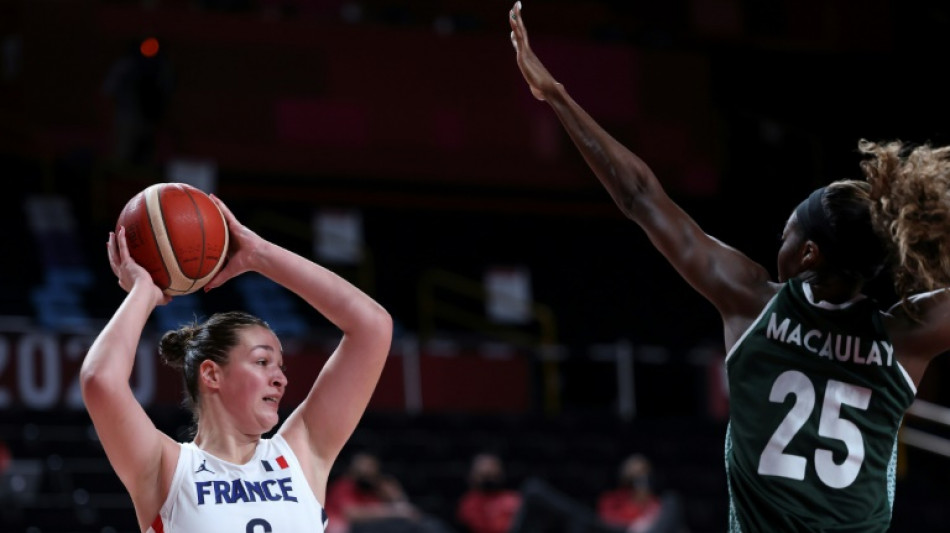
[514, 17]
[518, 30]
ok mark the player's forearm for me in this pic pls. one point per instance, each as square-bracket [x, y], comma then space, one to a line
[343, 304]
[110, 359]
[625, 176]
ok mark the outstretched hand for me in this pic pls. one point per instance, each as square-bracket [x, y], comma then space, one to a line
[242, 247]
[538, 77]
[127, 270]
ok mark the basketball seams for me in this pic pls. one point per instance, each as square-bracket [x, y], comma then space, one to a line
[201, 281]
[224, 250]
[201, 223]
[149, 197]
[204, 238]
[179, 283]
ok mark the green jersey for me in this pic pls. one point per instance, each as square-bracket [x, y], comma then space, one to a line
[816, 400]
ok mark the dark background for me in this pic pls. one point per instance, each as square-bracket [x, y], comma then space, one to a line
[414, 115]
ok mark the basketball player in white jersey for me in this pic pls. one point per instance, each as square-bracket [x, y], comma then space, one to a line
[229, 478]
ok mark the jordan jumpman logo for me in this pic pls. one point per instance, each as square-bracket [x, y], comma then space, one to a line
[204, 468]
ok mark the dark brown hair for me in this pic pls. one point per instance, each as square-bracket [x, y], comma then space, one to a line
[187, 347]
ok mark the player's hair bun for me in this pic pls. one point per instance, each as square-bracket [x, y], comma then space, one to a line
[174, 345]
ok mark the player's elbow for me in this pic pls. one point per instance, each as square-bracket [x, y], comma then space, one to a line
[380, 324]
[90, 384]
[95, 384]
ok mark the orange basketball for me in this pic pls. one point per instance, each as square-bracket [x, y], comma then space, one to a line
[177, 233]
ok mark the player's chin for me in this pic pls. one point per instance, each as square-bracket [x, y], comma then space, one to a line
[268, 418]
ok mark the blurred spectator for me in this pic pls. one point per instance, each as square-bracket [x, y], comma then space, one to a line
[20, 481]
[488, 506]
[634, 505]
[631, 508]
[5, 457]
[227, 6]
[140, 84]
[325, 9]
[365, 500]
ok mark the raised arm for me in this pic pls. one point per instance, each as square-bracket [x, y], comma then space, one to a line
[729, 279]
[143, 457]
[920, 337]
[328, 416]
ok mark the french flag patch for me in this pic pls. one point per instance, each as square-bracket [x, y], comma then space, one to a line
[281, 462]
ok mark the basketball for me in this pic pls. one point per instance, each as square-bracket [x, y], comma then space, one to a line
[177, 233]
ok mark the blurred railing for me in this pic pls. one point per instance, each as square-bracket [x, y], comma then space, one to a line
[922, 439]
[539, 333]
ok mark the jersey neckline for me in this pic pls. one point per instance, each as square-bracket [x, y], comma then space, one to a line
[258, 451]
[810, 297]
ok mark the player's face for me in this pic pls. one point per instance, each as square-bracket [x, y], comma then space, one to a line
[254, 380]
[789, 255]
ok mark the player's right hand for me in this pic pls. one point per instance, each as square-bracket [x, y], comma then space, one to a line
[128, 272]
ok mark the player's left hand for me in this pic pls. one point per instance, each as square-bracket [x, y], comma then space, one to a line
[534, 72]
[243, 246]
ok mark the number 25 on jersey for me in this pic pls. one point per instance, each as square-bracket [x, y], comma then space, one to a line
[775, 462]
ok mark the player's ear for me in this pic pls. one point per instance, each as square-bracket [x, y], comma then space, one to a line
[209, 373]
[811, 256]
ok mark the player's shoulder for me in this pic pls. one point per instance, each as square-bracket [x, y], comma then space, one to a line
[920, 325]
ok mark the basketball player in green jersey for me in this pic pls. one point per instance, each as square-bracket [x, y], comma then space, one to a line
[819, 375]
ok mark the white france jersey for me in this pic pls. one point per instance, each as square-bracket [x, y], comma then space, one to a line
[268, 494]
